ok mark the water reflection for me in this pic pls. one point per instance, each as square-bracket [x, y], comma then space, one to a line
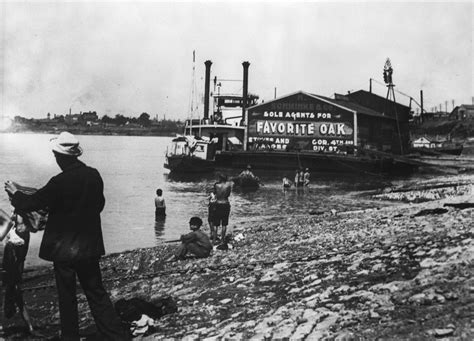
[327, 192]
[160, 227]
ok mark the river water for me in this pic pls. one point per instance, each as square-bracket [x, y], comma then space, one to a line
[132, 170]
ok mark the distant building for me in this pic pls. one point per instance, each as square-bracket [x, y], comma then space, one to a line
[428, 142]
[421, 142]
[440, 115]
[90, 116]
[462, 112]
[71, 119]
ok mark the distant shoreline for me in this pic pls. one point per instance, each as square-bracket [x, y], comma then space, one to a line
[121, 132]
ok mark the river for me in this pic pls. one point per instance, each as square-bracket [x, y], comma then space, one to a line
[132, 170]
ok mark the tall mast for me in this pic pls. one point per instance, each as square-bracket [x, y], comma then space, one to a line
[192, 100]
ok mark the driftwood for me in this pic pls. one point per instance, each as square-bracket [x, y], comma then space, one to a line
[430, 186]
[431, 211]
[460, 206]
[172, 241]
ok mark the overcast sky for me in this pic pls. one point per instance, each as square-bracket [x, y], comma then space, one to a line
[128, 58]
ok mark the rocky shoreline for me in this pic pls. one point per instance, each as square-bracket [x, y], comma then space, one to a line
[404, 271]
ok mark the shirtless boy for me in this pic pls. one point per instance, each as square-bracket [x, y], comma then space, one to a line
[222, 189]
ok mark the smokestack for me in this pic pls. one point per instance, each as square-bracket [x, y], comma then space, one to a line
[245, 88]
[208, 64]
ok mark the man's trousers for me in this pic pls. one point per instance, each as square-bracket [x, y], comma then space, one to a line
[108, 324]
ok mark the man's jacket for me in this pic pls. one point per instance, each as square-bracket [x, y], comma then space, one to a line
[74, 199]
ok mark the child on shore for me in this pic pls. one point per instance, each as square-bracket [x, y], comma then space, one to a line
[16, 247]
[16, 229]
[195, 242]
[211, 216]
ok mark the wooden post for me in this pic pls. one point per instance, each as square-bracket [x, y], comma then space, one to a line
[421, 101]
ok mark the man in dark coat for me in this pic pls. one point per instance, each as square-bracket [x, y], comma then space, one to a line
[72, 238]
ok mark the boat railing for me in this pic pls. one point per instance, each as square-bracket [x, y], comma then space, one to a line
[196, 124]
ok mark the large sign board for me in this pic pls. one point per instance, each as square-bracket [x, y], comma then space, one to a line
[300, 122]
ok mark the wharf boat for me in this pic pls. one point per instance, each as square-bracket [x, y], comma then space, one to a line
[358, 132]
[316, 162]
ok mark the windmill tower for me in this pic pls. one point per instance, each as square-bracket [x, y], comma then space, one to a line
[390, 98]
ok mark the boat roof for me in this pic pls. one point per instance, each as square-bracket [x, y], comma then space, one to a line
[360, 109]
[321, 98]
[186, 138]
[345, 104]
[215, 126]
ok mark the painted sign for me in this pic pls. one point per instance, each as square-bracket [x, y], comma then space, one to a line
[300, 122]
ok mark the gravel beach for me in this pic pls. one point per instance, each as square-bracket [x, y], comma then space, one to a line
[403, 271]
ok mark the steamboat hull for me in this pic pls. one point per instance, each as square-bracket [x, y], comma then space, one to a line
[273, 160]
[188, 164]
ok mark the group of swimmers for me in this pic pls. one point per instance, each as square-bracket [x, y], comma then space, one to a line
[301, 179]
[197, 242]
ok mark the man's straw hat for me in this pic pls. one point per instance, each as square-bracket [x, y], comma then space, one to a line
[66, 144]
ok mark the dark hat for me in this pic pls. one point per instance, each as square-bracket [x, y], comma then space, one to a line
[195, 221]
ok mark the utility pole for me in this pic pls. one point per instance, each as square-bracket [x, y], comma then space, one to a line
[275, 93]
[446, 106]
[370, 85]
[421, 101]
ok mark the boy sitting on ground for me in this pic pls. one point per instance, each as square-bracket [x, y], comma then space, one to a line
[195, 242]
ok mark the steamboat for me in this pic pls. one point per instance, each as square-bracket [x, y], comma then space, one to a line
[357, 132]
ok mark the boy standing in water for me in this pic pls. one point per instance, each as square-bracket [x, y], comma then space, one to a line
[160, 206]
[306, 176]
[286, 183]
